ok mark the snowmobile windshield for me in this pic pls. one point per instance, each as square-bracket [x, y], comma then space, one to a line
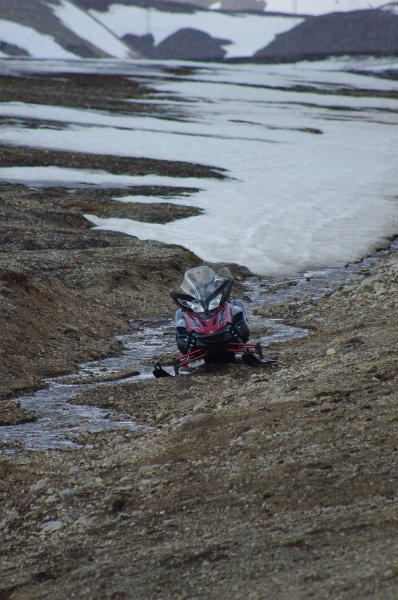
[202, 290]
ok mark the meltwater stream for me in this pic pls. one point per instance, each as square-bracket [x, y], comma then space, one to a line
[60, 423]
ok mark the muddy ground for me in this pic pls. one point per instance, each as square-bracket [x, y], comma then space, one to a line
[245, 483]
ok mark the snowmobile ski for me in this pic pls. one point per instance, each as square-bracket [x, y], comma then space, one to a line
[159, 371]
[252, 355]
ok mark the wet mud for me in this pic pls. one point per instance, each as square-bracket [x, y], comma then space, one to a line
[238, 482]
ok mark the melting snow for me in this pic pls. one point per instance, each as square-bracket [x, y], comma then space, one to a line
[247, 32]
[36, 44]
[320, 7]
[56, 176]
[88, 28]
[312, 177]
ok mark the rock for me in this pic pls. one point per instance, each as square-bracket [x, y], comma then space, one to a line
[226, 272]
[147, 469]
[39, 485]
[119, 439]
[67, 492]
[85, 571]
[67, 329]
[92, 483]
[75, 469]
[10, 518]
[368, 284]
[11, 411]
[83, 522]
[52, 526]
[108, 463]
[51, 499]
[148, 482]
[379, 288]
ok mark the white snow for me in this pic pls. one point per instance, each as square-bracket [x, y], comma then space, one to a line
[320, 7]
[247, 32]
[293, 200]
[54, 175]
[88, 28]
[36, 44]
[392, 8]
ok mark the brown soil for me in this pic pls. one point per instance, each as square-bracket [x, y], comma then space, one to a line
[99, 92]
[67, 290]
[245, 483]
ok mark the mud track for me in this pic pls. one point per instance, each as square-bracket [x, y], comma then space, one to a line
[278, 483]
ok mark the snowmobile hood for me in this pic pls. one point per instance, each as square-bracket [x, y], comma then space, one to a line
[202, 290]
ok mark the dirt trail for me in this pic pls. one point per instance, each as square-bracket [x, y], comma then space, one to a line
[278, 483]
[251, 484]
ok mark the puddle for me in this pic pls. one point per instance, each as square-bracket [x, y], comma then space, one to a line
[60, 422]
[312, 285]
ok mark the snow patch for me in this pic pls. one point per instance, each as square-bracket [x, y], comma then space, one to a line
[38, 45]
[247, 32]
[88, 28]
[60, 175]
[312, 176]
[320, 7]
[392, 8]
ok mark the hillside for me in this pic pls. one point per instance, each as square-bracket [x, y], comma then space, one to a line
[238, 483]
[67, 29]
[217, 34]
[227, 482]
[372, 32]
[55, 29]
[228, 5]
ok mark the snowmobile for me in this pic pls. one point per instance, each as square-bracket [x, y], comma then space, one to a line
[210, 326]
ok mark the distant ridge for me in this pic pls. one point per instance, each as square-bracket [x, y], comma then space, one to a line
[133, 29]
[180, 5]
[39, 16]
[373, 32]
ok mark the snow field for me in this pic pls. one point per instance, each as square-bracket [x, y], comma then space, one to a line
[247, 32]
[36, 44]
[294, 200]
[90, 29]
[320, 7]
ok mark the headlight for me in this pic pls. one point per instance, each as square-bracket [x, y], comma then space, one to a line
[196, 307]
[215, 303]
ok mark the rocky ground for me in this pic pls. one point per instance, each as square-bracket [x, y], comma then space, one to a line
[242, 483]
